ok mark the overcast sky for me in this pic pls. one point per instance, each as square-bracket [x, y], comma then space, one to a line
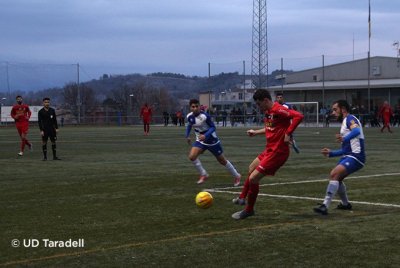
[182, 36]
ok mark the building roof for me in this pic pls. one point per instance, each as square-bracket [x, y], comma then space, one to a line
[346, 84]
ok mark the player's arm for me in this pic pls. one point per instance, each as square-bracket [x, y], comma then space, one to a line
[355, 131]
[329, 153]
[13, 113]
[212, 128]
[28, 112]
[252, 132]
[55, 124]
[188, 130]
[296, 120]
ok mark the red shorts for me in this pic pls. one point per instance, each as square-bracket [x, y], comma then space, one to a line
[271, 161]
[386, 120]
[22, 127]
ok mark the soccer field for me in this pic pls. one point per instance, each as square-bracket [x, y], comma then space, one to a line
[130, 199]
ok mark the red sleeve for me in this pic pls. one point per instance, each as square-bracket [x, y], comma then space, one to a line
[296, 120]
[28, 111]
[13, 112]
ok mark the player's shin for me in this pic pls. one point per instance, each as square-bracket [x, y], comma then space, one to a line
[245, 188]
[44, 149]
[197, 164]
[22, 146]
[342, 192]
[252, 196]
[231, 169]
[54, 149]
[331, 190]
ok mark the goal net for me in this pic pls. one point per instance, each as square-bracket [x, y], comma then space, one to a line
[311, 112]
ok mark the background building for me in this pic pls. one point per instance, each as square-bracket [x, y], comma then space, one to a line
[351, 81]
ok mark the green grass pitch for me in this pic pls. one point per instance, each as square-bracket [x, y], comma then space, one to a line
[131, 198]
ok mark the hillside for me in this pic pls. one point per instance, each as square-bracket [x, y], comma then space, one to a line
[178, 86]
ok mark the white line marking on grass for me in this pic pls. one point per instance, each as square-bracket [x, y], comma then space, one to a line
[311, 181]
[304, 198]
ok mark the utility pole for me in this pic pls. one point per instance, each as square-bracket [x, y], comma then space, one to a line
[259, 60]
[79, 101]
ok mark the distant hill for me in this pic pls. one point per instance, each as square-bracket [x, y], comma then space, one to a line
[179, 86]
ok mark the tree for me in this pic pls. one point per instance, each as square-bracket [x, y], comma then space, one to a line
[81, 105]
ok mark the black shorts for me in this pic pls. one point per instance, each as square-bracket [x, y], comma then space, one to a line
[52, 134]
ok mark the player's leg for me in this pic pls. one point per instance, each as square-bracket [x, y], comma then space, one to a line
[342, 192]
[388, 125]
[194, 153]
[345, 167]
[45, 138]
[22, 141]
[53, 139]
[267, 167]
[241, 200]
[294, 144]
[217, 151]
[144, 128]
[254, 187]
[337, 174]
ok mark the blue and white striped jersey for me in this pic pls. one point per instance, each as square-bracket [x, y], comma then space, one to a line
[355, 146]
[202, 124]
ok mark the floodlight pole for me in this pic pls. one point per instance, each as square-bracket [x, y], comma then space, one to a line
[8, 82]
[79, 95]
[244, 93]
[323, 81]
[369, 56]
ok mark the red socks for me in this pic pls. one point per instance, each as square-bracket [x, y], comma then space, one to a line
[245, 188]
[251, 199]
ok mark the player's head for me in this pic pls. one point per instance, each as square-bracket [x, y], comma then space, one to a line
[339, 108]
[279, 98]
[263, 99]
[194, 105]
[19, 99]
[46, 102]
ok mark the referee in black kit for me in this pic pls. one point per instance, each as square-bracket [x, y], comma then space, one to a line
[48, 128]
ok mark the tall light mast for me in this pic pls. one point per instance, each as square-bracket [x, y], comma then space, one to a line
[259, 60]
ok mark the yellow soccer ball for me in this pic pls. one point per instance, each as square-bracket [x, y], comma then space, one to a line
[204, 200]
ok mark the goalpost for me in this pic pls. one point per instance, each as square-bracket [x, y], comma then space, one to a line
[310, 110]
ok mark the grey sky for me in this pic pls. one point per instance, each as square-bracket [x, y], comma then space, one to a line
[182, 36]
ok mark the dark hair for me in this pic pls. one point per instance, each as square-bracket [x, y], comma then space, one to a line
[193, 101]
[46, 98]
[261, 94]
[279, 94]
[343, 104]
[19, 96]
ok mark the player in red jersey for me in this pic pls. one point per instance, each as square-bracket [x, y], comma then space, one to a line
[280, 123]
[21, 114]
[386, 112]
[145, 114]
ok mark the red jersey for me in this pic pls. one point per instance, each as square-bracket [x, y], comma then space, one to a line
[386, 112]
[21, 113]
[279, 121]
[146, 113]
